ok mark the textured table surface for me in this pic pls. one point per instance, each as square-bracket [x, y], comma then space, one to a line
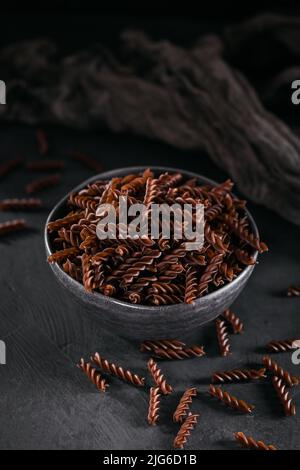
[47, 403]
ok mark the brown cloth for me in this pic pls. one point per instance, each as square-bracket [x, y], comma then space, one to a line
[266, 48]
[189, 98]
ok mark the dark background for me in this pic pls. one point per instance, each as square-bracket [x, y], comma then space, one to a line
[75, 24]
[45, 401]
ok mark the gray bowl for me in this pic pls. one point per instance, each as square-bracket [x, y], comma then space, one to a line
[138, 321]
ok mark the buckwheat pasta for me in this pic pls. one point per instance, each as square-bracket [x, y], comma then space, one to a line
[171, 349]
[222, 336]
[154, 404]
[66, 221]
[238, 375]
[161, 344]
[244, 257]
[85, 202]
[16, 204]
[293, 291]
[42, 183]
[163, 299]
[191, 289]
[184, 405]
[276, 369]
[141, 283]
[159, 378]
[243, 233]
[233, 320]
[62, 254]
[284, 397]
[117, 371]
[183, 353]
[150, 191]
[68, 236]
[251, 443]
[42, 142]
[73, 270]
[281, 345]
[9, 165]
[210, 270]
[150, 270]
[12, 226]
[93, 375]
[230, 400]
[167, 288]
[88, 272]
[185, 431]
[226, 273]
[45, 165]
[86, 160]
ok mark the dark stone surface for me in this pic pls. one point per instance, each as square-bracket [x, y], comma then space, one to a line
[46, 402]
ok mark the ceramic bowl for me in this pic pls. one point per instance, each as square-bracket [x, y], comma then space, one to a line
[143, 321]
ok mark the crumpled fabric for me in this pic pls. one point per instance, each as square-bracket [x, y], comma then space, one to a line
[189, 98]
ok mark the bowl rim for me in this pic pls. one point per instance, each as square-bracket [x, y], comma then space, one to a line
[102, 298]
